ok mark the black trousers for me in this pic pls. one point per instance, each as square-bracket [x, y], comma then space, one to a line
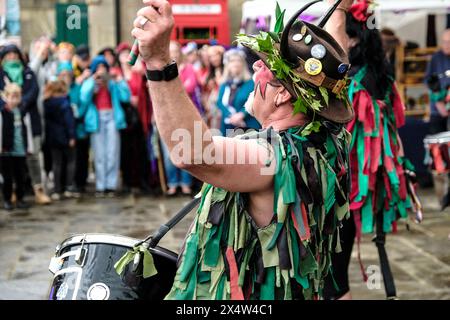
[341, 262]
[82, 163]
[63, 160]
[133, 158]
[438, 124]
[13, 171]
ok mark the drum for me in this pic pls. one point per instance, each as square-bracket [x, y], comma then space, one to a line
[83, 269]
[437, 152]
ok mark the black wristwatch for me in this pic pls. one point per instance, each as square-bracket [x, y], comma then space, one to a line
[169, 73]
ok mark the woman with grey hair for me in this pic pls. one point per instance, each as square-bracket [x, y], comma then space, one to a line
[234, 92]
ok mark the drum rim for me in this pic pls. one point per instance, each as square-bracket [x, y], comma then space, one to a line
[111, 239]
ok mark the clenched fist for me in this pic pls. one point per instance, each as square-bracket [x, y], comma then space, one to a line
[152, 28]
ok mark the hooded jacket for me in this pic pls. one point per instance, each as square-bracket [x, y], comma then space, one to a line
[59, 122]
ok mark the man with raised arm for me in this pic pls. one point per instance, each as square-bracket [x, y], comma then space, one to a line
[273, 200]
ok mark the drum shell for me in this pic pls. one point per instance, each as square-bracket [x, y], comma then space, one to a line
[97, 272]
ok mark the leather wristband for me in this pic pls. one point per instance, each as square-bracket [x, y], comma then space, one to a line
[169, 73]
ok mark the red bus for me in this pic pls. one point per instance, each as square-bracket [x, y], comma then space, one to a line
[201, 21]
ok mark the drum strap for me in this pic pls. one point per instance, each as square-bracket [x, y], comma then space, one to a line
[380, 241]
[156, 238]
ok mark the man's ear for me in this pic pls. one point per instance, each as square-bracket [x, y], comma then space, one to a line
[283, 96]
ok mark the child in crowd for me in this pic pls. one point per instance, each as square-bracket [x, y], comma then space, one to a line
[60, 136]
[14, 139]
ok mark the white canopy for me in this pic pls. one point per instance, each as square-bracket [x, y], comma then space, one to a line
[407, 17]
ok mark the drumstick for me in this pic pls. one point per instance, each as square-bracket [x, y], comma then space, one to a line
[134, 54]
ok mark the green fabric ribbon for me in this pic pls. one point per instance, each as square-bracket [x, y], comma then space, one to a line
[149, 269]
[14, 69]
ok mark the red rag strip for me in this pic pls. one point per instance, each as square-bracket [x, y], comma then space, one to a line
[399, 108]
[236, 291]
[437, 158]
[294, 219]
[376, 154]
[354, 176]
[394, 227]
[305, 224]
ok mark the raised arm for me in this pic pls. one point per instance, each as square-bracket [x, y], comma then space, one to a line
[202, 155]
[337, 24]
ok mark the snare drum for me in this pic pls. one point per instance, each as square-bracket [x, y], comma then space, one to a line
[83, 269]
[437, 152]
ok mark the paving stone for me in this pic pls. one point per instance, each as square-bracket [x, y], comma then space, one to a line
[420, 258]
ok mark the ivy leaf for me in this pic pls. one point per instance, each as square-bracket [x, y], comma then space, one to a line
[325, 96]
[275, 37]
[279, 25]
[280, 67]
[247, 41]
[316, 105]
[310, 128]
[300, 106]
[264, 42]
[277, 10]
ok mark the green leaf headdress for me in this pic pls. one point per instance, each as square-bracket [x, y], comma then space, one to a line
[318, 86]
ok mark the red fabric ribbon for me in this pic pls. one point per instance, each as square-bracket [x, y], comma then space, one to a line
[236, 291]
[360, 9]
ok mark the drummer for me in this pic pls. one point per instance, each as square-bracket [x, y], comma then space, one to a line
[438, 82]
[265, 228]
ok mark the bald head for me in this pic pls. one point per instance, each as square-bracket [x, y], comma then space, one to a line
[446, 42]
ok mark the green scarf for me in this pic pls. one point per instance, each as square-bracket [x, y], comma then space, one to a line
[14, 69]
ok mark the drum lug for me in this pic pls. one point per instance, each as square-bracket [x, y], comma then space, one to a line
[80, 256]
[81, 253]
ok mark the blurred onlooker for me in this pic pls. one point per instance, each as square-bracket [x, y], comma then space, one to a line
[211, 88]
[134, 162]
[190, 53]
[234, 92]
[390, 44]
[81, 63]
[103, 95]
[13, 148]
[65, 52]
[82, 145]
[187, 75]
[81, 72]
[203, 71]
[439, 82]
[113, 62]
[42, 62]
[13, 69]
[60, 136]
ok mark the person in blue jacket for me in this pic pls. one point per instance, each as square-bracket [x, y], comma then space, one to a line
[102, 96]
[234, 92]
